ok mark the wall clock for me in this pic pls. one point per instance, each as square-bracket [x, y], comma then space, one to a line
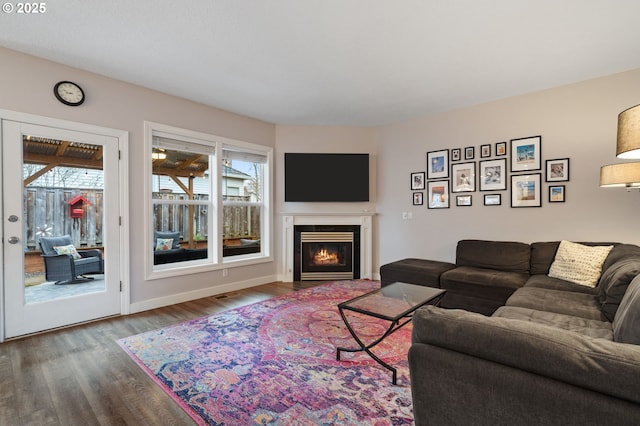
[69, 93]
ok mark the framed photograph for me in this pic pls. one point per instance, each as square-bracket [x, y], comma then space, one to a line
[525, 190]
[417, 181]
[501, 148]
[463, 177]
[463, 200]
[556, 194]
[485, 151]
[438, 164]
[525, 154]
[557, 170]
[469, 153]
[493, 175]
[417, 198]
[455, 154]
[492, 199]
[438, 194]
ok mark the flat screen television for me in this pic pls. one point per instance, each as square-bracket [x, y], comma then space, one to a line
[319, 177]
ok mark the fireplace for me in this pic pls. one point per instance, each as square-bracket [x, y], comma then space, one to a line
[360, 222]
[326, 252]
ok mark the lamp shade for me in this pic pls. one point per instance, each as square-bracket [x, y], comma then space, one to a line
[628, 145]
[623, 174]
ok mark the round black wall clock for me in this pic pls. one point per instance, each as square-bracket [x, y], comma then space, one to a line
[69, 93]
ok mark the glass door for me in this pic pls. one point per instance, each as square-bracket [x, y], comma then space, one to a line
[60, 198]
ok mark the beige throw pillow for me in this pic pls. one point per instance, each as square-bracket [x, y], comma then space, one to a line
[70, 249]
[578, 263]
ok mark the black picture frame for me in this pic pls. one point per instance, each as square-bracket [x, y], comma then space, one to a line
[526, 190]
[417, 181]
[501, 149]
[492, 199]
[438, 164]
[418, 198]
[438, 194]
[557, 193]
[463, 200]
[485, 151]
[456, 154]
[526, 154]
[463, 177]
[493, 175]
[469, 153]
[557, 170]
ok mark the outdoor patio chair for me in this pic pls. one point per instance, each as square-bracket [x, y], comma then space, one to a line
[64, 264]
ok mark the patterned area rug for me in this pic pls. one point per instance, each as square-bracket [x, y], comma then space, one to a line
[274, 362]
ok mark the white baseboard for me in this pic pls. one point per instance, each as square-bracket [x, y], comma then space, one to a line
[199, 294]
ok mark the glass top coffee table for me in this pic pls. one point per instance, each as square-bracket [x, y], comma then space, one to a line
[395, 303]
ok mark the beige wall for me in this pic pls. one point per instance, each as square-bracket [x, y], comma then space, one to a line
[576, 121]
[26, 85]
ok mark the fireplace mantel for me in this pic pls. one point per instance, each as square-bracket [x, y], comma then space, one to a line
[290, 220]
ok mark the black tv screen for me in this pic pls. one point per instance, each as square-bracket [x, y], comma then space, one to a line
[326, 177]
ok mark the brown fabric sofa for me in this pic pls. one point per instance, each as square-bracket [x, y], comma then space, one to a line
[552, 352]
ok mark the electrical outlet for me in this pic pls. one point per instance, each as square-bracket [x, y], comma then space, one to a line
[405, 215]
[225, 272]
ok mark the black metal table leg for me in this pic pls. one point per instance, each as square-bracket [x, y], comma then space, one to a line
[367, 348]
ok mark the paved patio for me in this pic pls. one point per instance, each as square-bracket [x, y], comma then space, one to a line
[50, 291]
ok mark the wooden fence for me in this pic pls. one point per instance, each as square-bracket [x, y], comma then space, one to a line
[47, 214]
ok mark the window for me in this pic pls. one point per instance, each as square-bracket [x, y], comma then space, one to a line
[243, 201]
[192, 175]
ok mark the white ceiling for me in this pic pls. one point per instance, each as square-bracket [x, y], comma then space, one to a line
[336, 62]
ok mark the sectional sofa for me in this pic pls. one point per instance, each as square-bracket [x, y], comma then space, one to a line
[527, 334]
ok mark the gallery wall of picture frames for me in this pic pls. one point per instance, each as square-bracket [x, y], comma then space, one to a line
[516, 167]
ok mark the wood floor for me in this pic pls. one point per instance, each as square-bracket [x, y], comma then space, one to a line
[80, 376]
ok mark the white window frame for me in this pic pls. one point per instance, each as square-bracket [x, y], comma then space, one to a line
[215, 260]
[266, 223]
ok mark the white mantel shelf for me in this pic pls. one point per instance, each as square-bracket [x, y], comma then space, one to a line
[364, 219]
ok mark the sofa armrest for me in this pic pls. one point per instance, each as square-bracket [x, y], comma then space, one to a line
[596, 364]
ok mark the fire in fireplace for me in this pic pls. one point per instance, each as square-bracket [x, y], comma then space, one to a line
[325, 257]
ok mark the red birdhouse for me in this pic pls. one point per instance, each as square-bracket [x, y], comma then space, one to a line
[76, 206]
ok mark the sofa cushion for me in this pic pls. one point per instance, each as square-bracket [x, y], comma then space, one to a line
[487, 283]
[499, 255]
[561, 302]
[579, 263]
[620, 251]
[543, 253]
[545, 281]
[455, 300]
[588, 327]
[164, 244]
[626, 324]
[614, 282]
[414, 271]
[166, 235]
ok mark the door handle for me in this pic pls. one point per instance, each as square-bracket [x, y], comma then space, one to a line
[13, 240]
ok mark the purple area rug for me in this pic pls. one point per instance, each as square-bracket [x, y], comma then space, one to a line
[274, 362]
